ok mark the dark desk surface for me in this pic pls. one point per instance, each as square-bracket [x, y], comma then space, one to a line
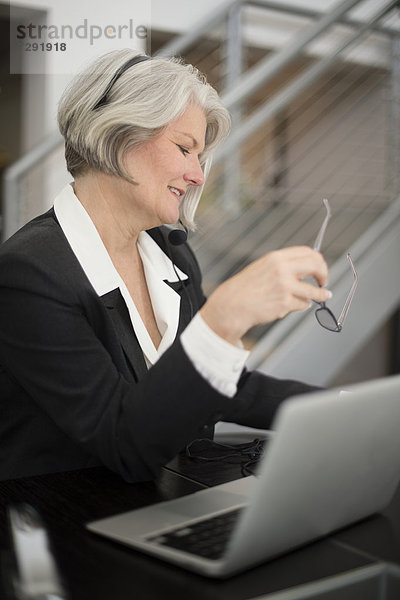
[97, 569]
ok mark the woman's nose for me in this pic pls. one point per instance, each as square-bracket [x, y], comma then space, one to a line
[194, 174]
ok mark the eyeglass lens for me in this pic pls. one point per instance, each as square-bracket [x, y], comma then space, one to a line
[326, 318]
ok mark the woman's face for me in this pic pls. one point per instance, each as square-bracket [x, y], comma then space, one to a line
[165, 167]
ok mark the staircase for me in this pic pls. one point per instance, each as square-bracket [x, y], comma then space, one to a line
[311, 120]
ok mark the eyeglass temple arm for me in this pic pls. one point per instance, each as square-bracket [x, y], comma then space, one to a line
[321, 233]
[346, 306]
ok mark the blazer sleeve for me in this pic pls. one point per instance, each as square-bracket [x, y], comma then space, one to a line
[49, 348]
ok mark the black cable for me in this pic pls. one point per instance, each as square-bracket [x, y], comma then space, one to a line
[248, 453]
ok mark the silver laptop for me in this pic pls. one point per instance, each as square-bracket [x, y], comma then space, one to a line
[333, 460]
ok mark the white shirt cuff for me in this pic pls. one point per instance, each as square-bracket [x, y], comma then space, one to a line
[218, 361]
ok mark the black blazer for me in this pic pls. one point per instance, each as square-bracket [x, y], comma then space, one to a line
[74, 387]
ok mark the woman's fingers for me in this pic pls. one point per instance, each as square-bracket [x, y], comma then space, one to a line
[267, 289]
[308, 291]
[303, 262]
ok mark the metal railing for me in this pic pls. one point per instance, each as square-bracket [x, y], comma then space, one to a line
[239, 86]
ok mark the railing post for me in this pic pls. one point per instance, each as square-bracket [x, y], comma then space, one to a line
[234, 69]
[10, 221]
[394, 122]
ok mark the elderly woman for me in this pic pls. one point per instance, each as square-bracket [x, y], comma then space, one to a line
[109, 352]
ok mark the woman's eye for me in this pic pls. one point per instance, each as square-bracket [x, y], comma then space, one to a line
[184, 150]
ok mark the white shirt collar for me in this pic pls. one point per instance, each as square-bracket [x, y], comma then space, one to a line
[91, 253]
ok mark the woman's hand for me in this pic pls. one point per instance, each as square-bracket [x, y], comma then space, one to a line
[267, 289]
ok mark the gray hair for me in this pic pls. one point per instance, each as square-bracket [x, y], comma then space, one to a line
[140, 105]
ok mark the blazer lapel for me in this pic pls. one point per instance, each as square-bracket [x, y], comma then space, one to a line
[186, 306]
[119, 314]
[185, 287]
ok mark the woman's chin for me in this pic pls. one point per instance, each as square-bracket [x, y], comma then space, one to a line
[172, 218]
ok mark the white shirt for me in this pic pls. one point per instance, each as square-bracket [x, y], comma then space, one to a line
[215, 359]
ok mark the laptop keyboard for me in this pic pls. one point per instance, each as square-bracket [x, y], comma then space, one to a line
[207, 538]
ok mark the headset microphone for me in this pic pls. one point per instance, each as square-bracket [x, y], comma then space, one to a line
[176, 237]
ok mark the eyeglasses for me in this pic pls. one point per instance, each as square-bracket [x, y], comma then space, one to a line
[324, 315]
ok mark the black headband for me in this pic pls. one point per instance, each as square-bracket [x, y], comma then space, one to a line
[132, 61]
